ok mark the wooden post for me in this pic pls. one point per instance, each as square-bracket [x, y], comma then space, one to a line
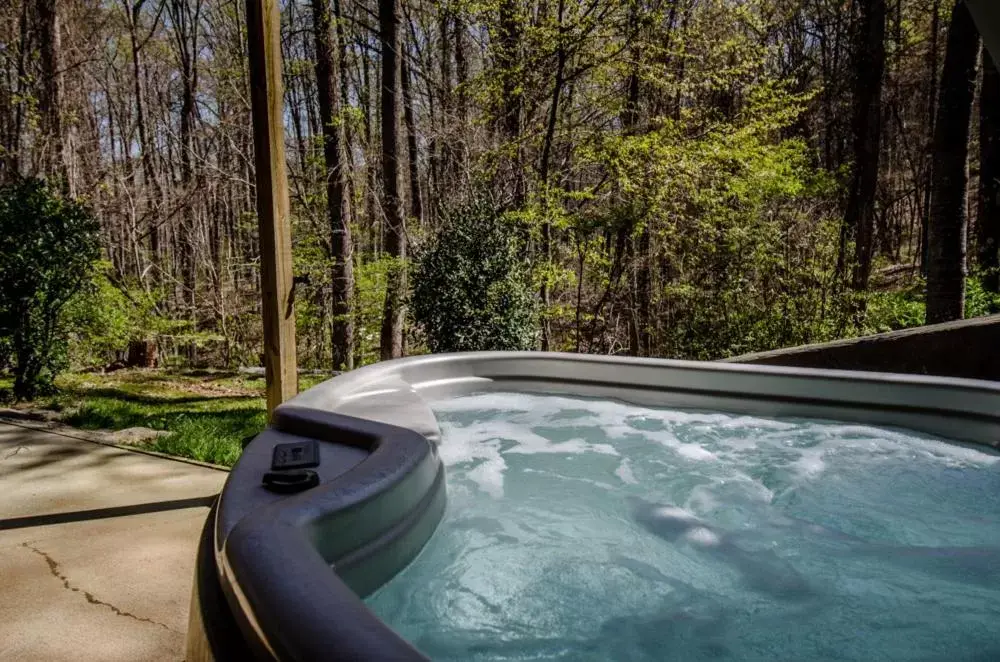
[266, 101]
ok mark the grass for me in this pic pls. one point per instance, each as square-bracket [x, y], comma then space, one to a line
[209, 414]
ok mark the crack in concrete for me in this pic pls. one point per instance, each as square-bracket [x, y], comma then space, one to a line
[55, 572]
[14, 452]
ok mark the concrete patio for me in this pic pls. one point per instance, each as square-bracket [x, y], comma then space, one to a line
[97, 548]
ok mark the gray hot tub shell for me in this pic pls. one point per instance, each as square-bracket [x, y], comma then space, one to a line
[290, 568]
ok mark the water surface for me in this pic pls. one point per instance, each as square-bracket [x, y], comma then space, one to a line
[593, 530]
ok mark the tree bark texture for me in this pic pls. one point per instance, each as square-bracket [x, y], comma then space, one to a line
[394, 230]
[53, 156]
[511, 103]
[412, 156]
[869, 69]
[988, 240]
[946, 235]
[337, 202]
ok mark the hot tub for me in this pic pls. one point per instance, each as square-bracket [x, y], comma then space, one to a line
[348, 486]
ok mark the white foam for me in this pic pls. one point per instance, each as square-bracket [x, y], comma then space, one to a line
[885, 442]
[702, 499]
[739, 444]
[810, 462]
[750, 488]
[691, 451]
[703, 537]
[619, 431]
[533, 444]
[695, 452]
[461, 445]
[615, 418]
[521, 424]
[484, 443]
[577, 479]
[488, 476]
[757, 424]
[624, 471]
[675, 513]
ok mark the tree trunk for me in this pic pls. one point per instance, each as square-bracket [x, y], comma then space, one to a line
[394, 230]
[416, 202]
[350, 136]
[337, 203]
[442, 149]
[344, 87]
[869, 68]
[950, 175]
[12, 156]
[989, 175]
[630, 120]
[146, 152]
[295, 100]
[444, 58]
[371, 231]
[185, 20]
[511, 102]
[544, 166]
[642, 343]
[50, 101]
[142, 354]
[461, 70]
[932, 65]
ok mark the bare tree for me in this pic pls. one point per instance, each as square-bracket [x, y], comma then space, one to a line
[133, 12]
[394, 230]
[989, 175]
[185, 17]
[511, 107]
[869, 68]
[412, 153]
[946, 236]
[53, 154]
[337, 202]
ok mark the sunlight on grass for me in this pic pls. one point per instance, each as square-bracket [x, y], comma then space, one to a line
[209, 415]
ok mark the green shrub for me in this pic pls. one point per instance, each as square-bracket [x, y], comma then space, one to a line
[370, 278]
[905, 308]
[102, 318]
[893, 310]
[48, 245]
[978, 300]
[471, 290]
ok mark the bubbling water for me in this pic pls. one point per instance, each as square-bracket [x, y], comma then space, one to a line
[595, 530]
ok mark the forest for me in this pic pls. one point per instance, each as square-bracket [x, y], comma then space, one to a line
[671, 178]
